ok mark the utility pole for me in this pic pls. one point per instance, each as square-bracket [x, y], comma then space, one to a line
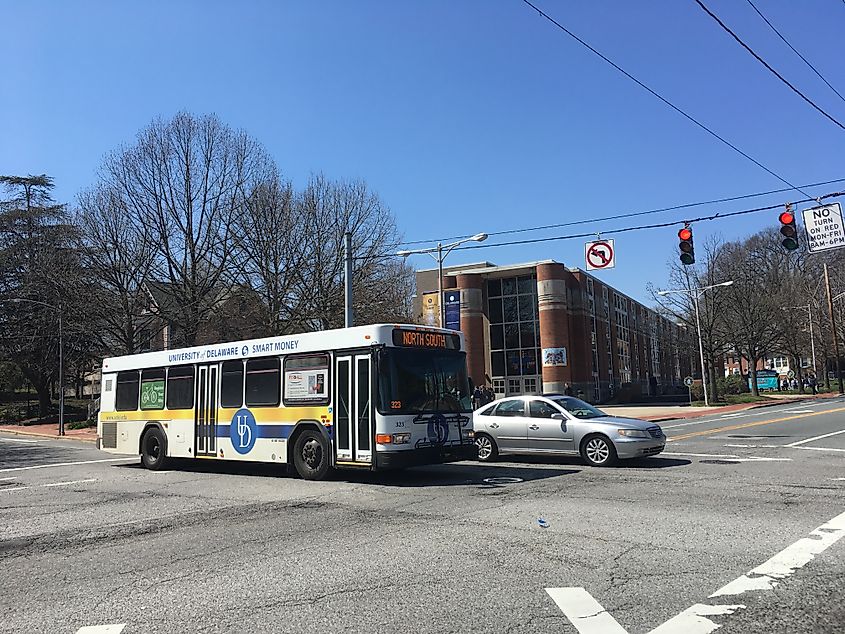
[347, 280]
[833, 330]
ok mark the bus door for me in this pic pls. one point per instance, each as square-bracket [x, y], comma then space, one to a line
[205, 411]
[353, 408]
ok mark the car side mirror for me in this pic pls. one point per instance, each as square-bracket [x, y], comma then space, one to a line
[559, 416]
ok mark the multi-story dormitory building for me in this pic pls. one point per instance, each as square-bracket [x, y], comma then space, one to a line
[542, 326]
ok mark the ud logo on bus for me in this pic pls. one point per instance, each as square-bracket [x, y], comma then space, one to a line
[242, 431]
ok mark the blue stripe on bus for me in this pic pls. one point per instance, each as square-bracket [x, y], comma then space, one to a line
[264, 431]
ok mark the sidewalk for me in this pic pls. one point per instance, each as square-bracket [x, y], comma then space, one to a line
[51, 430]
[658, 413]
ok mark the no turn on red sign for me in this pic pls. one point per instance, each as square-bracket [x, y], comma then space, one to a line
[600, 255]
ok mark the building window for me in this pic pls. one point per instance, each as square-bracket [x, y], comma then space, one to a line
[514, 328]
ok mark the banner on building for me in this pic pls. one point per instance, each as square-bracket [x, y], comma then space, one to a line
[554, 357]
[452, 304]
[430, 309]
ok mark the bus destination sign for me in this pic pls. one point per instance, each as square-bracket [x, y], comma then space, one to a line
[422, 339]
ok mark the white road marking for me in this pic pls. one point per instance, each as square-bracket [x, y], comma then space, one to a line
[67, 464]
[757, 446]
[114, 628]
[731, 415]
[694, 619]
[13, 489]
[837, 478]
[820, 448]
[761, 459]
[62, 484]
[800, 411]
[19, 440]
[700, 455]
[585, 613]
[589, 617]
[806, 440]
[10, 478]
[786, 562]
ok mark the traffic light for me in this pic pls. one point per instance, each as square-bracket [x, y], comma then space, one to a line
[788, 229]
[685, 245]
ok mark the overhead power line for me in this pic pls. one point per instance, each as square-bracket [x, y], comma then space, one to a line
[764, 63]
[804, 59]
[610, 232]
[625, 215]
[662, 98]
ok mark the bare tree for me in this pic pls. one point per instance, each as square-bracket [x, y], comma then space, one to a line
[188, 179]
[330, 209]
[269, 252]
[119, 253]
[752, 317]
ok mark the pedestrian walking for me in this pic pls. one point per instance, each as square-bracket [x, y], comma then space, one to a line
[567, 389]
[812, 382]
[477, 397]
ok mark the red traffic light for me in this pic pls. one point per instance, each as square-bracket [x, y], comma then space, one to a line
[786, 217]
[685, 233]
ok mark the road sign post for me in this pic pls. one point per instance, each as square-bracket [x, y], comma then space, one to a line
[600, 254]
[825, 227]
[688, 382]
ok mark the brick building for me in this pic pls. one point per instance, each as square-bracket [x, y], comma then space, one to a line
[540, 326]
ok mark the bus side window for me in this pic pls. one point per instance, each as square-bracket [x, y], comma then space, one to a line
[307, 380]
[232, 384]
[180, 387]
[127, 391]
[263, 382]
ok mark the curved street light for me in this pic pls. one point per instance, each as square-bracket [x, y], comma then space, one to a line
[58, 309]
[439, 257]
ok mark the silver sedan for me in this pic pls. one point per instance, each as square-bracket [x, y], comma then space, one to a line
[555, 424]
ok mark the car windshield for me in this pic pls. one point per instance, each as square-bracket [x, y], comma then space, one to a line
[413, 381]
[577, 407]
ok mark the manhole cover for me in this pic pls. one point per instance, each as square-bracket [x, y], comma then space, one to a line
[719, 461]
[502, 480]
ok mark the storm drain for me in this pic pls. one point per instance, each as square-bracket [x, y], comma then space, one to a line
[719, 461]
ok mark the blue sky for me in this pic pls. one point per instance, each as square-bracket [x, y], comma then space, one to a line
[464, 116]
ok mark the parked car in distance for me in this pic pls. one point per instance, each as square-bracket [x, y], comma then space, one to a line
[557, 424]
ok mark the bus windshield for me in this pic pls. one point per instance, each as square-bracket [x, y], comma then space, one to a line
[414, 381]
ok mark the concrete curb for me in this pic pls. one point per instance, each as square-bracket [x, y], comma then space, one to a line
[36, 434]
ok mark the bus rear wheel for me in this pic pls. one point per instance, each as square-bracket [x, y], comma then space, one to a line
[311, 455]
[154, 449]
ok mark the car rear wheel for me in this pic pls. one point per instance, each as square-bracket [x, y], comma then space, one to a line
[487, 449]
[598, 451]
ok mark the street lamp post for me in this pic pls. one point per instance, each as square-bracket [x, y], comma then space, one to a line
[438, 254]
[696, 294]
[18, 300]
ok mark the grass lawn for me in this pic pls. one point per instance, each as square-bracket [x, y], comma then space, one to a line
[735, 399]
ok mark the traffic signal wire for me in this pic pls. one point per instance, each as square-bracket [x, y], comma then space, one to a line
[663, 99]
[764, 63]
[804, 59]
[632, 214]
[610, 232]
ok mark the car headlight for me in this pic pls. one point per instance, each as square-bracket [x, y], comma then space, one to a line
[468, 433]
[633, 433]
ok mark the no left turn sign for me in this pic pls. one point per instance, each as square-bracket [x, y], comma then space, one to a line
[600, 255]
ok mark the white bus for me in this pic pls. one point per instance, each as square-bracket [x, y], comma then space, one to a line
[372, 397]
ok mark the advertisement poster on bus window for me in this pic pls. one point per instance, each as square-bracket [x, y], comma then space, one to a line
[306, 385]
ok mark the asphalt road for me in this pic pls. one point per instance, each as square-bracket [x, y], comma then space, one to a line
[90, 541]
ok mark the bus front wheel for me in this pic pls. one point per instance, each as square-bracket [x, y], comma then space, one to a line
[311, 455]
[154, 449]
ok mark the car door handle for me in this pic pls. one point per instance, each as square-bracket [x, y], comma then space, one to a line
[534, 427]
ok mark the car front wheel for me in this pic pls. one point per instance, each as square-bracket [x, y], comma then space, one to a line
[487, 449]
[598, 451]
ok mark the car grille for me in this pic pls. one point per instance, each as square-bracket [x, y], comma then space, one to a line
[655, 432]
[652, 450]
